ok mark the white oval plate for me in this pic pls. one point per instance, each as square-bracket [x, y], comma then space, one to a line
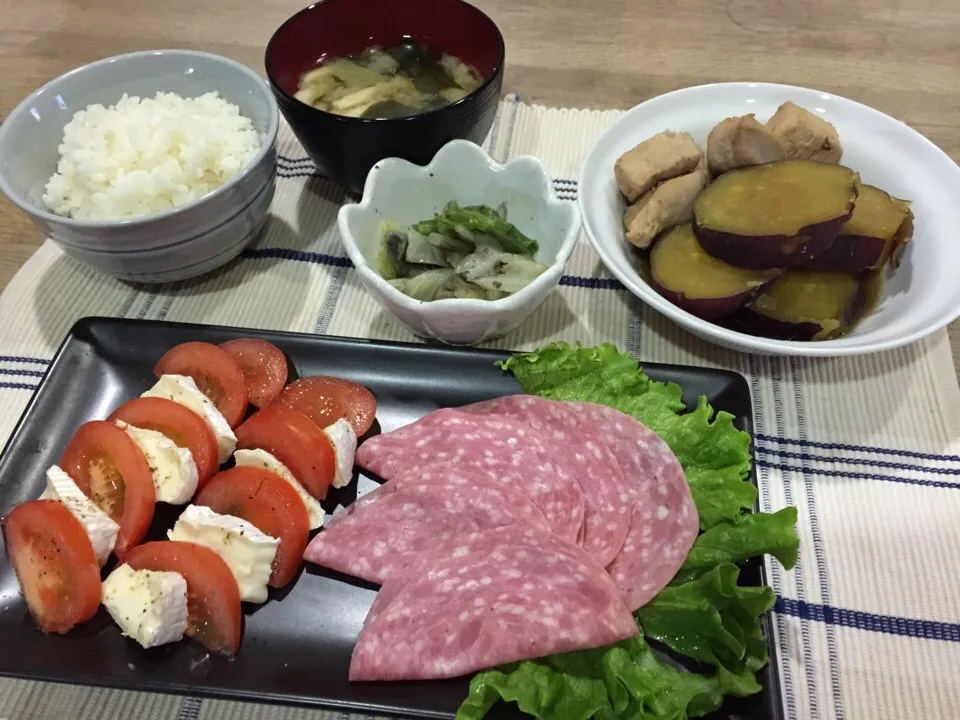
[923, 295]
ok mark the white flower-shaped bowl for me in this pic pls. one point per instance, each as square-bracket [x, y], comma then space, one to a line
[405, 193]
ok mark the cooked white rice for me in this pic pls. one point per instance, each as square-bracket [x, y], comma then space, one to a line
[143, 156]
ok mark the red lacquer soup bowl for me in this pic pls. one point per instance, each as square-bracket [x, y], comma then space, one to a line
[345, 148]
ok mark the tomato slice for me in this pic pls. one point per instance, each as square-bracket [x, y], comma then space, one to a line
[54, 562]
[110, 469]
[181, 425]
[264, 368]
[270, 504]
[296, 441]
[213, 599]
[217, 375]
[326, 399]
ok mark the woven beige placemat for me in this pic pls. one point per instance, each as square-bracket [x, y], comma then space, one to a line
[868, 449]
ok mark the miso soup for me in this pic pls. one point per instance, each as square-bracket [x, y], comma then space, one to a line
[406, 79]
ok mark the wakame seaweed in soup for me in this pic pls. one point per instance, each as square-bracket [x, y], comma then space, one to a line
[406, 79]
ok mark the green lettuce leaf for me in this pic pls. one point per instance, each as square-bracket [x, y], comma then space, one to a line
[754, 534]
[712, 620]
[625, 680]
[715, 455]
[569, 686]
[709, 619]
[640, 686]
[599, 374]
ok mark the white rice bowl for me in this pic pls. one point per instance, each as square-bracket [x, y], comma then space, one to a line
[143, 156]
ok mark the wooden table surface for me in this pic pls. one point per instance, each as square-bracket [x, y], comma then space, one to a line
[898, 56]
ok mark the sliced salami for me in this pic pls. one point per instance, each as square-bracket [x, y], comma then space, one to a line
[664, 522]
[496, 602]
[415, 566]
[503, 449]
[606, 506]
[519, 502]
[410, 518]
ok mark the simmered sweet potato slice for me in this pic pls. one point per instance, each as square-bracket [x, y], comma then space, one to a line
[702, 285]
[776, 215]
[881, 225]
[803, 304]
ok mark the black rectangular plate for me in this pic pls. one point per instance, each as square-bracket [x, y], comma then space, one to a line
[296, 647]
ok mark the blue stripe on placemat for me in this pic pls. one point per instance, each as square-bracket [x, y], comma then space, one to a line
[129, 300]
[289, 168]
[561, 185]
[17, 386]
[142, 312]
[857, 448]
[591, 283]
[840, 460]
[300, 162]
[298, 255]
[285, 160]
[562, 192]
[786, 467]
[190, 708]
[818, 549]
[24, 359]
[297, 173]
[887, 624]
[168, 301]
[21, 373]
[342, 262]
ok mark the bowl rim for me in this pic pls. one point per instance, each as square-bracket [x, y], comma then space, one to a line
[710, 331]
[543, 283]
[469, 97]
[268, 141]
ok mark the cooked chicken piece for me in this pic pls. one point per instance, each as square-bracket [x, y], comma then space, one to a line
[741, 142]
[666, 206]
[661, 157]
[805, 136]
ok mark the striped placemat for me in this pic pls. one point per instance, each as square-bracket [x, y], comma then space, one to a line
[868, 449]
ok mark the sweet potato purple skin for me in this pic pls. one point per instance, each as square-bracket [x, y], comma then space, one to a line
[856, 252]
[750, 322]
[757, 252]
[691, 279]
[852, 254]
[707, 308]
[754, 218]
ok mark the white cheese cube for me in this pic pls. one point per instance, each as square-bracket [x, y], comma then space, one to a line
[266, 461]
[174, 471]
[182, 389]
[248, 552]
[344, 441]
[149, 606]
[99, 526]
